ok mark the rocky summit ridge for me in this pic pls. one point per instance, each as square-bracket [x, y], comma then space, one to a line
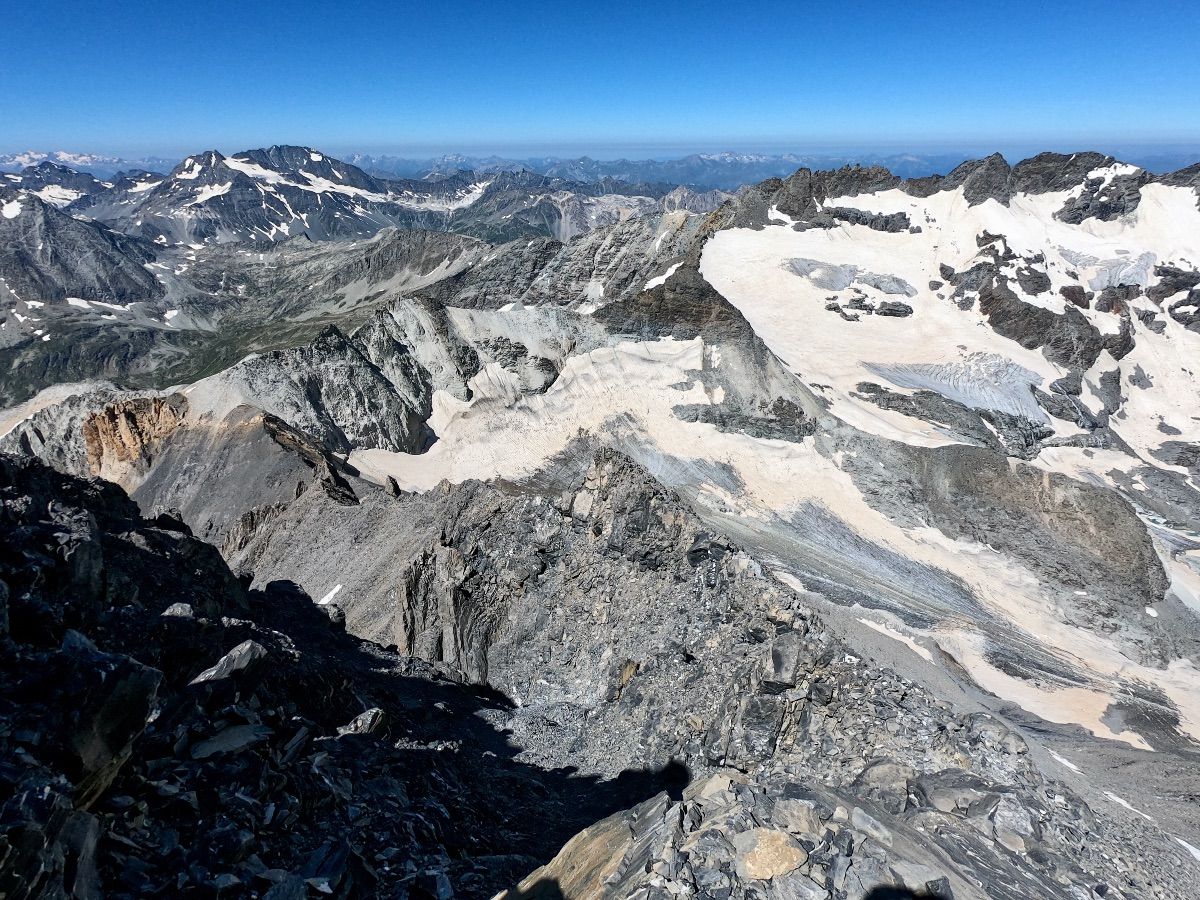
[837, 538]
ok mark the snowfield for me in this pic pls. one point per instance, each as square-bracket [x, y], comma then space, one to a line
[952, 351]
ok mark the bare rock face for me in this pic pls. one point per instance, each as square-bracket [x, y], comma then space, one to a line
[1106, 200]
[1068, 338]
[801, 195]
[984, 179]
[1050, 172]
[610, 610]
[693, 201]
[331, 389]
[163, 729]
[46, 254]
[55, 434]
[123, 439]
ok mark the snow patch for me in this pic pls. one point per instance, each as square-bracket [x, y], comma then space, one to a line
[661, 279]
[1063, 761]
[193, 170]
[208, 192]
[57, 195]
[1117, 800]
[1188, 847]
[328, 598]
[774, 215]
[442, 202]
[897, 635]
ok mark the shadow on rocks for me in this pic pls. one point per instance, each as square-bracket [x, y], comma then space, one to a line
[165, 731]
[518, 815]
[542, 889]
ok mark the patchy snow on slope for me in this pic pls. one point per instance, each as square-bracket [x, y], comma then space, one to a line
[1107, 173]
[142, 186]
[1063, 761]
[90, 304]
[57, 195]
[435, 202]
[897, 635]
[11, 209]
[192, 170]
[774, 215]
[208, 192]
[1127, 805]
[321, 185]
[328, 598]
[257, 172]
[1195, 852]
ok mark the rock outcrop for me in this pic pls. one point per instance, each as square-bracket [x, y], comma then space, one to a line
[163, 730]
[123, 439]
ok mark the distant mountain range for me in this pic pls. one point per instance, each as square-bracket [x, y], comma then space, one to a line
[280, 192]
[724, 171]
[95, 164]
[703, 171]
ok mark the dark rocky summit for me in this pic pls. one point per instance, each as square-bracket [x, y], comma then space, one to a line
[48, 255]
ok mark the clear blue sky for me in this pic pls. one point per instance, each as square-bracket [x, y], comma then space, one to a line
[134, 77]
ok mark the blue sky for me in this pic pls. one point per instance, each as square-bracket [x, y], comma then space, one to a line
[602, 78]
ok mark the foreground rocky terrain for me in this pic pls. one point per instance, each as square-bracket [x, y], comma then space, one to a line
[844, 538]
[166, 731]
[169, 730]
